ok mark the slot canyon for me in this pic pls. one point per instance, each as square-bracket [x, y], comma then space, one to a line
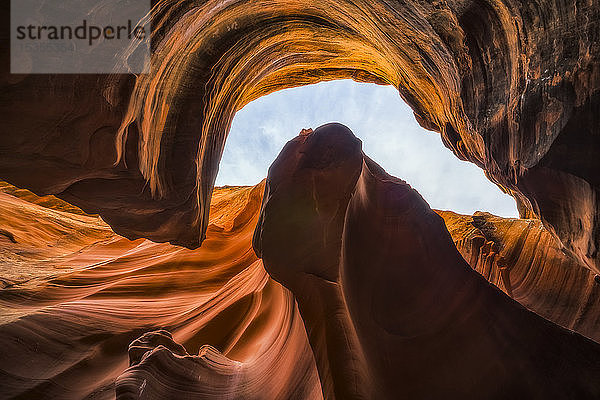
[125, 273]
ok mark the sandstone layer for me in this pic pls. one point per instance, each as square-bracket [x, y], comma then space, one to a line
[512, 86]
[524, 260]
[78, 302]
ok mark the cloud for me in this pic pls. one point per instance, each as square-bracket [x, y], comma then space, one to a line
[390, 135]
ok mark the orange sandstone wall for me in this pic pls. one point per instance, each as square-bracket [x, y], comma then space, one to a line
[512, 86]
[75, 296]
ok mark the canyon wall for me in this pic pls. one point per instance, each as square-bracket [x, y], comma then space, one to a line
[512, 86]
[523, 259]
[85, 309]
[78, 303]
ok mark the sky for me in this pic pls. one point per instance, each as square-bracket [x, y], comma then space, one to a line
[387, 127]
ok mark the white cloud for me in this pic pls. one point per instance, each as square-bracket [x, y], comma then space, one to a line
[390, 135]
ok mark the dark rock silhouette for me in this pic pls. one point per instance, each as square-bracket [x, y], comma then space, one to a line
[390, 306]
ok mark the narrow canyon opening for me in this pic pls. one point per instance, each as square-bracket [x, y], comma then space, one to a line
[160, 285]
[389, 132]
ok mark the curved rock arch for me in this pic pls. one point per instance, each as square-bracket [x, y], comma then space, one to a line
[511, 86]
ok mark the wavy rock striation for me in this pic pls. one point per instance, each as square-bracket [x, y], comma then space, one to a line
[512, 86]
[74, 295]
[85, 312]
[525, 261]
[390, 306]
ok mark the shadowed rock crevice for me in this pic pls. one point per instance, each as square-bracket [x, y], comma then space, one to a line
[378, 302]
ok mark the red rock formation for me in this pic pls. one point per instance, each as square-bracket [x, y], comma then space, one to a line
[75, 295]
[523, 259]
[512, 86]
[209, 323]
[390, 306]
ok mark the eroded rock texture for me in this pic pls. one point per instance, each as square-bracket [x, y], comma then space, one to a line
[512, 86]
[392, 310]
[88, 314]
[523, 259]
[74, 295]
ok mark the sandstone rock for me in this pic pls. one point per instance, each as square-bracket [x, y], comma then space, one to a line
[511, 86]
[391, 308]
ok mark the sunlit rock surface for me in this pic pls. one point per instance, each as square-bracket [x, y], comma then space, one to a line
[75, 295]
[513, 87]
[523, 259]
